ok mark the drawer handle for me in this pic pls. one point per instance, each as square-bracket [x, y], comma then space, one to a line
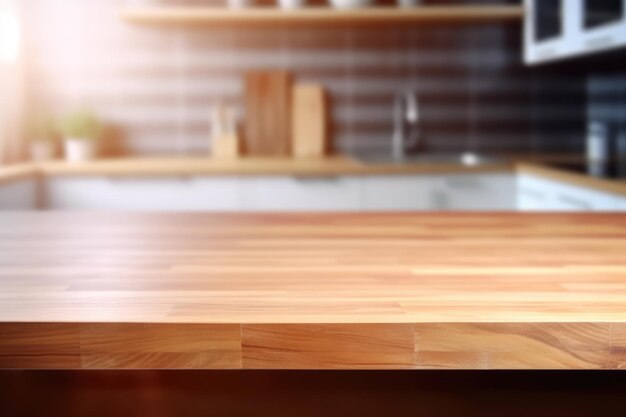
[315, 179]
[148, 180]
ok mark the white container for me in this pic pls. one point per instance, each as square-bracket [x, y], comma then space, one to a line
[350, 4]
[79, 150]
[598, 138]
[291, 4]
[41, 151]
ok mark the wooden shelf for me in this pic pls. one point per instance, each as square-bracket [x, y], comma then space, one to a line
[320, 16]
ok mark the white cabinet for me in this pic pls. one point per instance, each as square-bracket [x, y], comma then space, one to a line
[551, 29]
[459, 192]
[401, 193]
[143, 194]
[493, 191]
[486, 192]
[604, 25]
[538, 194]
[462, 192]
[620, 204]
[556, 29]
[18, 195]
[301, 194]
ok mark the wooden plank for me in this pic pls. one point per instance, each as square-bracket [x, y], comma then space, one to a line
[268, 113]
[39, 346]
[160, 346]
[512, 346]
[310, 121]
[327, 346]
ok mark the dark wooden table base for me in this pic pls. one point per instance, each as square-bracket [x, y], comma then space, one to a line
[311, 393]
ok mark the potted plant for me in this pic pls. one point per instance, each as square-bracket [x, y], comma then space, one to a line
[42, 134]
[81, 132]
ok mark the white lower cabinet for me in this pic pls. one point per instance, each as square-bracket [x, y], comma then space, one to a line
[538, 194]
[419, 192]
[301, 194]
[479, 192]
[19, 195]
[401, 193]
[143, 194]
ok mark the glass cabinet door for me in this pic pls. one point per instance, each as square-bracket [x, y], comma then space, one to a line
[548, 22]
[598, 13]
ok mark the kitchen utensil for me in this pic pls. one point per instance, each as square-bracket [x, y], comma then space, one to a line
[224, 134]
[309, 127]
[598, 141]
[268, 113]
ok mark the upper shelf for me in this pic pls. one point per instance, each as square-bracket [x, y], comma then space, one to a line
[322, 16]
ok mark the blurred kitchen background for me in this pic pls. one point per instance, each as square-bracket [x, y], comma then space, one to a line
[157, 86]
[534, 86]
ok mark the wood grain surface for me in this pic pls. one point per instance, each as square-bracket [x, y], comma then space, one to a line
[309, 124]
[310, 291]
[207, 166]
[268, 113]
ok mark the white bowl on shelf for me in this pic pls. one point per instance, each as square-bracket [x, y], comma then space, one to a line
[350, 4]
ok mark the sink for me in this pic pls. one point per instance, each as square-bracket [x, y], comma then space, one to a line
[465, 159]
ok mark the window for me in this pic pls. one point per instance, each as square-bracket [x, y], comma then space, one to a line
[9, 34]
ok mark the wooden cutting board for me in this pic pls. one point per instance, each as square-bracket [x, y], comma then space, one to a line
[309, 127]
[268, 113]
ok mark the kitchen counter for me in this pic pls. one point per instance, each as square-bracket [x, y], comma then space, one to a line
[286, 291]
[614, 186]
[331, 166]
[17, 172]
[188, 166]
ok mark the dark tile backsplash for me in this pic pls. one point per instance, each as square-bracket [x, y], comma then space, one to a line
[158, 85]
[607, 98]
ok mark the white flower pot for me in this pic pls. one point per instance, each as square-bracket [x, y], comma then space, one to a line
[79, 150]
[41, 151]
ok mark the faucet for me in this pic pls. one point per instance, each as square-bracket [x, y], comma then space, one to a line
[405, 124]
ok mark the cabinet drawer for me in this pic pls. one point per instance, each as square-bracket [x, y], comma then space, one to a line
[400, 193]
[490, 192]
[19, 195]
[143, 194]
[554, 196]
[301, 194]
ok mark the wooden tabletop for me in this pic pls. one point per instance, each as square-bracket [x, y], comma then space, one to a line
[347, 291]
